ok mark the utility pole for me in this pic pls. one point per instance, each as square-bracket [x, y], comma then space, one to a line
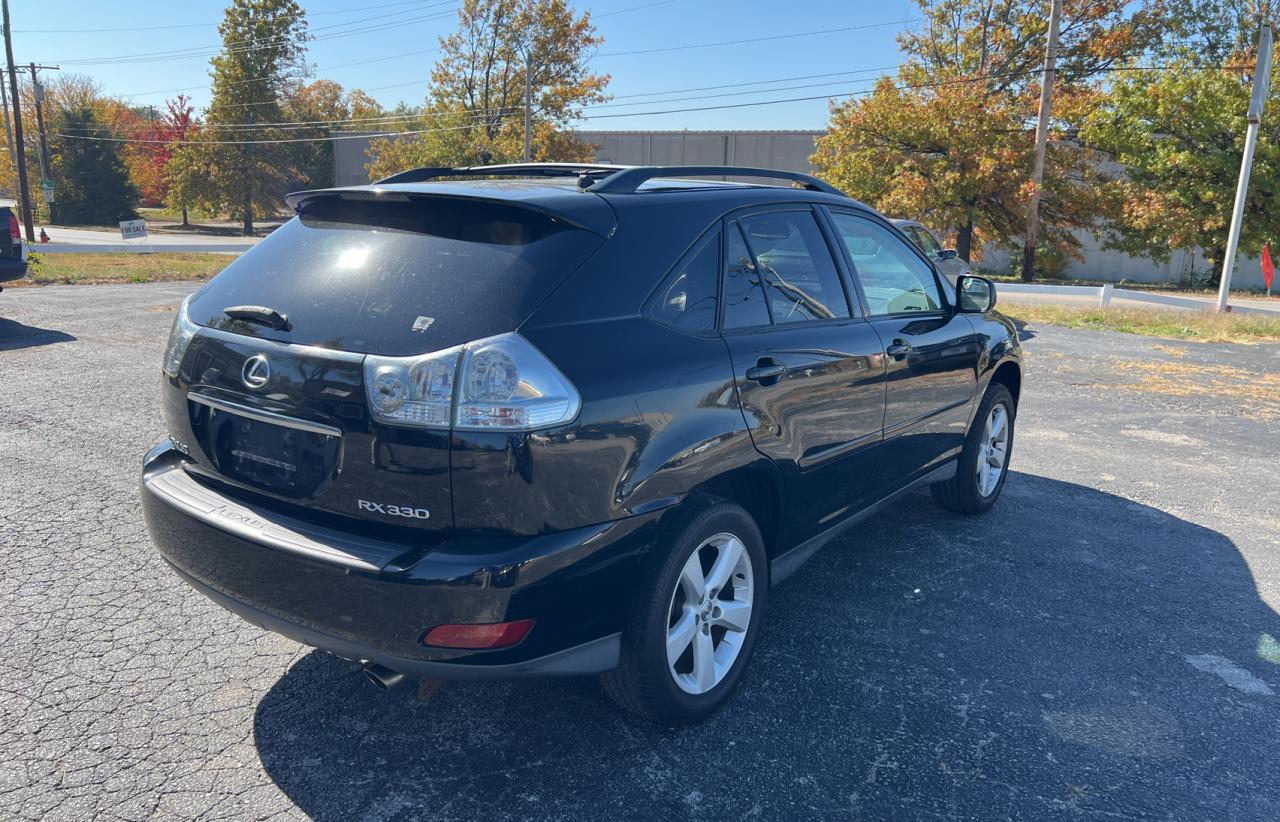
[8, 129]
[1257, 102]
[46, 165]
[1042, 138]
[24, 195]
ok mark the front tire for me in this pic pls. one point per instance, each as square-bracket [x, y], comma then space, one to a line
[695, 620]
[984, 459]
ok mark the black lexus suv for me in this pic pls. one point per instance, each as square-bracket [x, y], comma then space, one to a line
[564, 419]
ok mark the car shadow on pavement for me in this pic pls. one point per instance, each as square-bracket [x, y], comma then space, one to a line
[1025, 331]
[15, 335]
[1070, 652]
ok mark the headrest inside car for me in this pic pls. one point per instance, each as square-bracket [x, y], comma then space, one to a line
[774, 230]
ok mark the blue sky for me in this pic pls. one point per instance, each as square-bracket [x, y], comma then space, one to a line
[815, 65]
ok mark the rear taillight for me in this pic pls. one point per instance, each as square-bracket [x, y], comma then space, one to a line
[478, 637]
[499, 383]
[179, 338]
[15, 233]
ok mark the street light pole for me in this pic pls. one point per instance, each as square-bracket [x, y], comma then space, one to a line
[1042, 139]
[1257, 102]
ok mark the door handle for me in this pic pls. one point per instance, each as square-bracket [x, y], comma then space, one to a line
[766, 368]
[898, 349]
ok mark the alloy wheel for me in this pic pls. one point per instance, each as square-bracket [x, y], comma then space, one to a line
[993, 449]
[710, 613]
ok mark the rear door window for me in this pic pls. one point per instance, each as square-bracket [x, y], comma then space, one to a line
[799, 275]
[398, 278]
[687, 297]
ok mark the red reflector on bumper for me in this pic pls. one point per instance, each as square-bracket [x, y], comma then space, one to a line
[487, 635]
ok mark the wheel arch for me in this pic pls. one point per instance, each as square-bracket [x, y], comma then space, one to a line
[1008, 374]
[758, 489]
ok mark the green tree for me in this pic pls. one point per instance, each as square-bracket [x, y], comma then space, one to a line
[1215, 30]
[94, 186]
[244, 171]
[950, 141]
[1178, 136]
[476, 102]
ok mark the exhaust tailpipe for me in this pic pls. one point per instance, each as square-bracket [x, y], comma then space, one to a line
[382, 676]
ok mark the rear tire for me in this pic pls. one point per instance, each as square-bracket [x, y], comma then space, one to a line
[694, 621]
[977, 482]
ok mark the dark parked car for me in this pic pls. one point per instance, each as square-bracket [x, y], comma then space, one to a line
[577, 420]
[13, 254]
[948, 263]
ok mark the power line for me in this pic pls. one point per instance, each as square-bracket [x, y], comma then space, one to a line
[757, 39]
[397, 118]
[390, 120]
[294, 125]
[255, 45]
[634, 8]
[905, 87]
[326, 68]
[217, 22]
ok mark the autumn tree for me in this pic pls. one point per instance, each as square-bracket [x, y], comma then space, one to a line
[949, 140]
[325, 106]
[238, 165]
[94, 185]
[177, 127]
[476, 100]
[1177, 136]
[136, 126]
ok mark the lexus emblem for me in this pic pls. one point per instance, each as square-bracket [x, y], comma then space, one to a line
[256, 371]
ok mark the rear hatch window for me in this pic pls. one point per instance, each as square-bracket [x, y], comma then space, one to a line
[398, 278]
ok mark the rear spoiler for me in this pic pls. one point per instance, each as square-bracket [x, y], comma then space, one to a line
[589, 214]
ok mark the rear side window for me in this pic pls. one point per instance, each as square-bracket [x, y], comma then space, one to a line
[687, 297]
[744, 304]
[799, 275]
[398, 278]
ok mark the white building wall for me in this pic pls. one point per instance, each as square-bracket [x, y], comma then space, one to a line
[1109, 266]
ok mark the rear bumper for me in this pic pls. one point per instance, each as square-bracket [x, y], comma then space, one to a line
[373, 601]
[12, 269]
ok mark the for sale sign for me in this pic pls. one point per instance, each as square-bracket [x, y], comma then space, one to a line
[133, 229]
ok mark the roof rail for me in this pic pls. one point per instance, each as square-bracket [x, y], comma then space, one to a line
[628, 179]
[418, 175]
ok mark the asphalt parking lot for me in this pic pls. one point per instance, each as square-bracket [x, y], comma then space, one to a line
[1105, 643]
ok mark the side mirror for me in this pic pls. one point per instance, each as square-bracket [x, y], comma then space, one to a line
[947, 254]
[975, 295]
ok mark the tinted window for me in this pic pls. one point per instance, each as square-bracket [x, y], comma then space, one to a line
[398, 278]
[744, 304]
[894, 278]
[926, 242]
[799, 275]
[687, 298]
